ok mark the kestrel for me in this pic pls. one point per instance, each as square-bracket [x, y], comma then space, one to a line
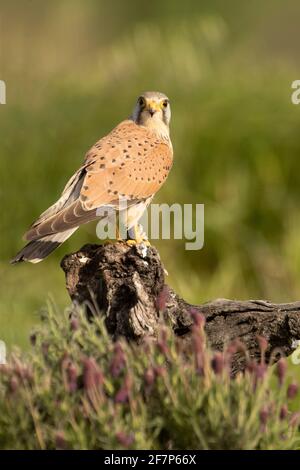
[131, 162]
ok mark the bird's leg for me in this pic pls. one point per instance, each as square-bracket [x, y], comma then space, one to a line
[118, 236]
[139, 237]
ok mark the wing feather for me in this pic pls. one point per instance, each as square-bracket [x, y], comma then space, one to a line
[130, 162]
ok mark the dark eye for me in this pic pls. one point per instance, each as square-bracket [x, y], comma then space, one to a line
[141, 101]
[165, 103]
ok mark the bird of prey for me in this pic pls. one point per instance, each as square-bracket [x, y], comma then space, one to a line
[131, 162]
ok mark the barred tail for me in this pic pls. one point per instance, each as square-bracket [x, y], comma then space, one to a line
[36, 250]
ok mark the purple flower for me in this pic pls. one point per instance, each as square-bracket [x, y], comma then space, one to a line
[217, 363]
[281, 370]
[126, 440]
[72, 377]
[262, 343]
[257, 370]
[122, 395]
[263, 416]
[160, 371]
[198, 349]
[199, 318]
[14, 384]
[283, 412]
[118, 361]
[234, 347]
[149, 376]
[292, 390]
[74, 324]
[162, 343]
[260, 371]
[60, 441]
[92, 375]
[162, 299]
[251, 366]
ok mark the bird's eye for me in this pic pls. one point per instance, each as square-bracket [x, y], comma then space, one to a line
[141, 101]
[165, 103]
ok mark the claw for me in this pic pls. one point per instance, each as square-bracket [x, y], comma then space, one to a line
[131, 242]
[138, 237]
[138, 242]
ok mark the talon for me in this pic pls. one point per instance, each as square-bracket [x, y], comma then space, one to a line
[138, 242]
[137, 236]
[131, 242]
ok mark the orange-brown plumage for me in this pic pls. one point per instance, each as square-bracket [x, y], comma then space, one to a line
[131, 162]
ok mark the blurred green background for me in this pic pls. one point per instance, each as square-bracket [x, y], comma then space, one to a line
[73, 70]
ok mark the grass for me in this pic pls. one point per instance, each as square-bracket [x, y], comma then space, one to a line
[20, 312]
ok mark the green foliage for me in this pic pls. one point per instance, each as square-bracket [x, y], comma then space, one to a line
[78, 389]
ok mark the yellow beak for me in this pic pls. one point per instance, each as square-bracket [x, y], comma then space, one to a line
[153, 107]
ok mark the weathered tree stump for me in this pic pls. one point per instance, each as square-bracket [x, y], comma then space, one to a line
[128, 286]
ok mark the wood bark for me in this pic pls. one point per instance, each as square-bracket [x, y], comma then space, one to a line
[127, 285]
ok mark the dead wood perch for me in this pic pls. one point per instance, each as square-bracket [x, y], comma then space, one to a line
[128, 284]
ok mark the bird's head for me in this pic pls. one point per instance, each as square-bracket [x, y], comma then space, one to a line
[153, 110]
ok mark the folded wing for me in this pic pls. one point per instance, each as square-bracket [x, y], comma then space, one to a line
[130, 162]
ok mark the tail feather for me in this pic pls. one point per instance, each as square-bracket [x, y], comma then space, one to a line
[36, 250]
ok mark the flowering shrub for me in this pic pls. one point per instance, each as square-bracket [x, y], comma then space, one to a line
[78, 389]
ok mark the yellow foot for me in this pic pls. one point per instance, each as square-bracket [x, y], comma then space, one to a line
[138, 237]
[131, 242]
[138, 242]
